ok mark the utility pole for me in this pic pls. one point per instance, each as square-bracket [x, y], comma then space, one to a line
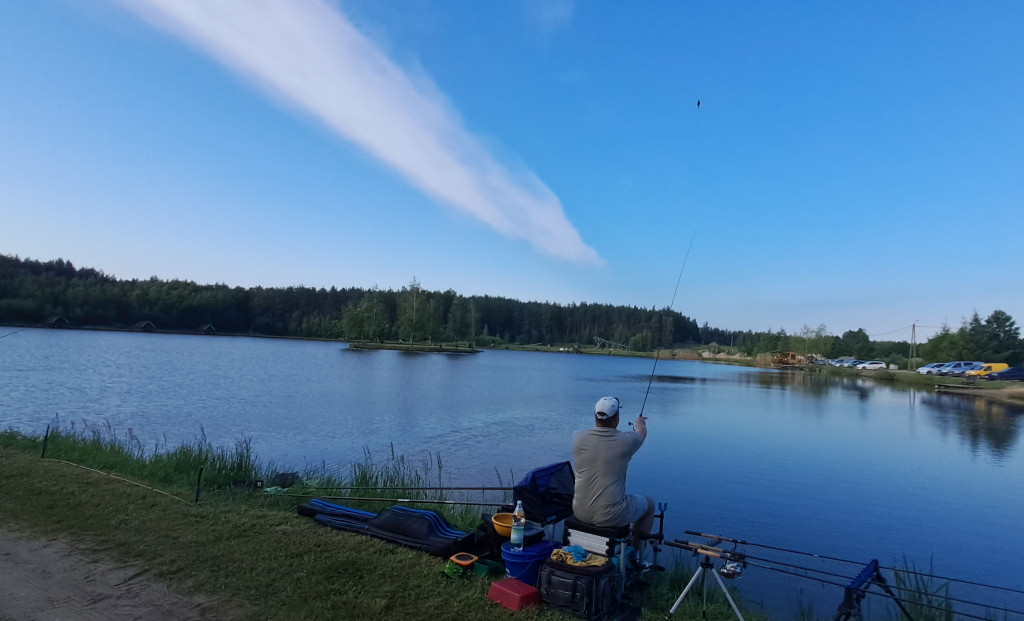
[913, 346]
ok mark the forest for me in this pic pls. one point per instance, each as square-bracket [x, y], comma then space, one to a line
[36, 292]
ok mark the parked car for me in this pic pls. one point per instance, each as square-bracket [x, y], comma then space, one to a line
[959, 372]
[992, 367]
[872, 364]
[1013, 374]
[930, 369]
[957, 367]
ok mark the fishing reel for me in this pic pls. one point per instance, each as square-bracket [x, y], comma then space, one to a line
[733, 561]
[731, 570]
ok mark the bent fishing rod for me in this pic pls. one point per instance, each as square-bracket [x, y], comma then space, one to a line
[657, 354]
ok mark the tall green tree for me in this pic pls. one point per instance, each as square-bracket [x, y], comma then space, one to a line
[459, 327]
[413, 313]
[1002, 336]
[856, 343]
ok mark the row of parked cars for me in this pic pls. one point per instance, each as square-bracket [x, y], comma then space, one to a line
[970, 368]
[859, 364]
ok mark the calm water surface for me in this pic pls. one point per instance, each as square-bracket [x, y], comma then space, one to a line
[842, 468]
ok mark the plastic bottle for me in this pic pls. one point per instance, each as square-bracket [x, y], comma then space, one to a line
[518, 527]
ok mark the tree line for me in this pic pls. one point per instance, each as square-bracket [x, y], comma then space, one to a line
[33, 291]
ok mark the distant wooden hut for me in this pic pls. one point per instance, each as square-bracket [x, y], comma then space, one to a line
[57, 322]
[207, 328]
[787, 358]
[144, 326]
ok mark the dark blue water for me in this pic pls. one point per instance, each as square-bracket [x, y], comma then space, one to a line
[842, 468]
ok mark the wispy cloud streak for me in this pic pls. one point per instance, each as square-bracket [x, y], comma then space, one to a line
[310, 56]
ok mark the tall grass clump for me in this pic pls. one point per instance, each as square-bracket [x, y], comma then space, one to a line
[398, 477]
[925, 598]
[104, 448]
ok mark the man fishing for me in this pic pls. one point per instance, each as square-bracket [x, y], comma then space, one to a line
[602, 456]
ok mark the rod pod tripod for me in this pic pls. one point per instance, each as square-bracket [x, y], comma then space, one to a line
[705, 565]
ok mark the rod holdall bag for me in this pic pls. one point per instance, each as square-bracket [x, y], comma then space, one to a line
[583, 591]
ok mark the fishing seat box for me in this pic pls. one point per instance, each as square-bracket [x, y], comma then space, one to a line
[584, 591]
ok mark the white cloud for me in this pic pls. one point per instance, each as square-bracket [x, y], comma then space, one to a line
[311, 57]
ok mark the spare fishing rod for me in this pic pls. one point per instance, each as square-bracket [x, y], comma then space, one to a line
[418, 489]
[657, 354]
[749, 559]
[738, 560]
[898, 600]
[777, 566]
[743, 542]
[843, 560]
[421, 501]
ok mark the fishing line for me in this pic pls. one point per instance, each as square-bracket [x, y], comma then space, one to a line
[114, 476]
[10, 333]
[979, 584]
[657, 354]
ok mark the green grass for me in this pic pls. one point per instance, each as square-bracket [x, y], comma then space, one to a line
[925, 598]
[246, 553]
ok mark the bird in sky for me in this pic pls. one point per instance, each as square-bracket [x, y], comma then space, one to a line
[698, 104]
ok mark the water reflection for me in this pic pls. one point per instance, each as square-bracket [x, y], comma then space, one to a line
[983, 425]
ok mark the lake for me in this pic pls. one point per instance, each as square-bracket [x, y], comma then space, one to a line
[835, 467]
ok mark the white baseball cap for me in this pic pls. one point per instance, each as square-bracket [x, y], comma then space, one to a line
[606, 407]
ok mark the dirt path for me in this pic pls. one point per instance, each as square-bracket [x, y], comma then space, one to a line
[47, 580]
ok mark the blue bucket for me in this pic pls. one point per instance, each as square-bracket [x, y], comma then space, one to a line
[525, 564]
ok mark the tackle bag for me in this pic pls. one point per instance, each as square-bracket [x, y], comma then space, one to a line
[584, 591]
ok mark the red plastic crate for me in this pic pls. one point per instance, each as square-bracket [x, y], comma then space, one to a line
[513, 594]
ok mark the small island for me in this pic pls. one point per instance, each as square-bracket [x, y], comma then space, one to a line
[427, 348]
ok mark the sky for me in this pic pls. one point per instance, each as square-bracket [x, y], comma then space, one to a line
[856, 165]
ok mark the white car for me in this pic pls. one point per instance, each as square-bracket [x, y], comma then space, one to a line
[930, 369]
[872, 364]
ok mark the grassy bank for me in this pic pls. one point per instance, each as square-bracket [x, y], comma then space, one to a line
[248, 554]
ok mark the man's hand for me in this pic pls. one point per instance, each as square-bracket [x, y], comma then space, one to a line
[641, 426]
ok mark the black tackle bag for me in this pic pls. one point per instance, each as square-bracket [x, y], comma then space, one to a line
[583, 591]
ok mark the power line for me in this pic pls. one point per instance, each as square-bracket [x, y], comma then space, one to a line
[890, 331]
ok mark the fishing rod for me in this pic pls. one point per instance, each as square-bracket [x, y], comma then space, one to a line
[418, 489]
[10, 333]
[743, 542]
[408, 500]
[733, 556]
[657, 354]
[746, 558]
[843, 560]
[899, 600]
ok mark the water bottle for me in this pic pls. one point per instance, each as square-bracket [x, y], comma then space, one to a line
[518, 527]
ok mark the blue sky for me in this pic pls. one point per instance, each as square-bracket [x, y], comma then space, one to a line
[858, 165]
